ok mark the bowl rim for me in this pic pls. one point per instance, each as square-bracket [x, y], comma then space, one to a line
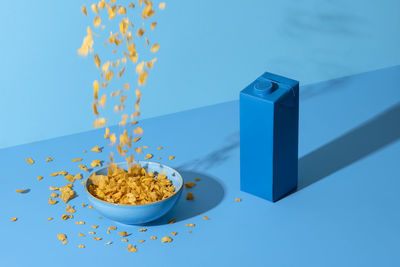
[133, 205]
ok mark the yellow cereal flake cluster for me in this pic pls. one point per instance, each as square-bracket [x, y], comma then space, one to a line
[66, 193]
[135, 186]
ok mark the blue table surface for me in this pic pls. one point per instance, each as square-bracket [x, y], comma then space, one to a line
[344, 213]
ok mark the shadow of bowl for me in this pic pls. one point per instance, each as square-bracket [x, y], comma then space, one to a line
[208, 193]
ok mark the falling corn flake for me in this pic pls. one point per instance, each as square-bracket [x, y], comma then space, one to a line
[20, 190]
[112, 228]
[142, 230]
[53, 188]
[64, 217]
[14, 219]
[174, 233]
[65, 242]
[70, 216]
[190, 225]
[238, 199]
[166, 239]
[99, 122]
[83, 167]
[189, 196]
[39, 178]
[66, 193]
[84, 11]
[172, 221]
[142, 77]
[124, 240]
[162, 5]
[54, 195]
[189, 185]
[96, 163]
[123, 234]
[206, 218]
[155, 47]
[96, 149]
[81, 235]
[94, 8]
[50, 218]
[148, 156]
[97, 21]
[80, 222]
[153, 25]
[87, 43]
[153, 237]
[131, 248]
[61, 237]
[30, 161]
[108, 243]
[95, 226]
[171, 157]
[81, 246]
[52, 202]
[140, 32]
[49, 159]
[92, 233]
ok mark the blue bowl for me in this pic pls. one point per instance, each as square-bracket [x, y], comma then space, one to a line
[138, 214]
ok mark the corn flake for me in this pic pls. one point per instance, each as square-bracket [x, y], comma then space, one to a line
[189, 185]
[96, 149]
[189, 196]
[166, 239]
[13, 219]
[30, 161]
[52, 202]
[131, 248]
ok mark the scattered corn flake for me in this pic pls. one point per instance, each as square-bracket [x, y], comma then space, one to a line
[96, 149]
[174, 233]
[64, 217]
[94, 8]
[140, 32]
[142, 77]
[101, 4]
[80, 222]
[97, 21]
[69, 209]
[13, 219]
[81, 235]
[20, 190]
[96, 163]
[166, 239]
[49, 159]
[172, 221]
[99, 122]
[87, 43]
[155, 47]
[148, 156]
[78, 159]
[123, 234]
[65, 242]
[52, 202]
[95, 226]
[78, 176]
[189, 232]
[39, 178]
[160, 147]
[50, 218]
[66, 193]
[153, 25]
[153, 237]
[97, 238]
[190, 225]
[92, 233]
[70, 178]
[141, 241]
[189, 185]
[81, 246]
[161, 5]
[96, 87]
[108, 243]
[197, 179]
[61, 237]
[53, 188]
[83, 167]
[189, 196]
[108, 232]
[121, 10]
[84, 11]
[83, 205]
[206, 218]
[238, 199]
[131, 248]
[171, 157]
[90, 207]
[132, 5]
[124, 240]
[70, 216]
[100, 217]
[142, 230]
[53, 195]
[112, 228]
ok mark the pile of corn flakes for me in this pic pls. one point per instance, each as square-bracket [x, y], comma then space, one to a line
[133, 187]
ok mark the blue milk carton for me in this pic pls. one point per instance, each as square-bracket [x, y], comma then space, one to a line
[269, 122]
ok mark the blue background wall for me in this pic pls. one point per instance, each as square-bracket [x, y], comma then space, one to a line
[209, 51]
